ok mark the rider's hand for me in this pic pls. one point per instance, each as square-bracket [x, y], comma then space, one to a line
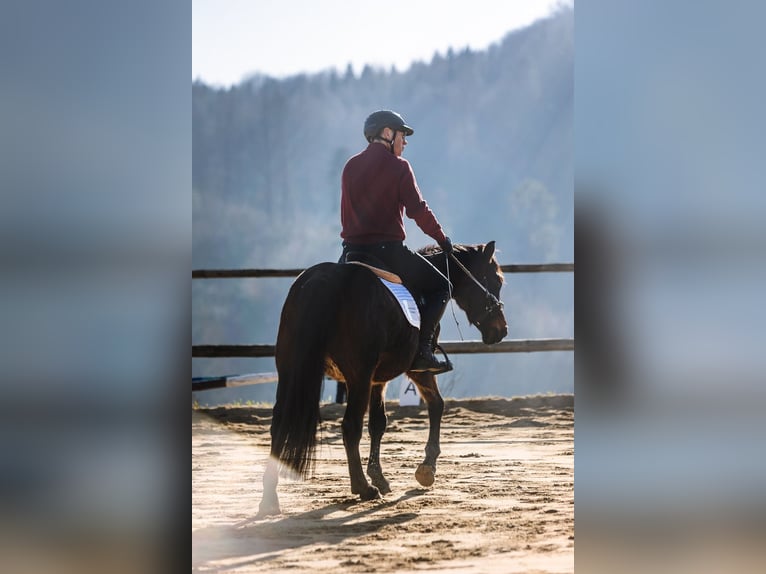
[446, 245]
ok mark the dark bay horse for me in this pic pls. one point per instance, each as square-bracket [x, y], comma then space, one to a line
[340, 320]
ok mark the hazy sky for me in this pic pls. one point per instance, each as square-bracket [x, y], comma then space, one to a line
[233, 38]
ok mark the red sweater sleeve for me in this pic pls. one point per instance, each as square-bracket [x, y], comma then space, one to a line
[416, 207]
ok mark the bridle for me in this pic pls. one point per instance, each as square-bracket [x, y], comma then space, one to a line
[491, 303]
[389, 142]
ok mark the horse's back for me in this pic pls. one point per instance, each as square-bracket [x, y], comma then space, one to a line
[325, 290]
[354, 312]
[335, 278]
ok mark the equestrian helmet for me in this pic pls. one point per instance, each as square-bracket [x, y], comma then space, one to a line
[376, 121]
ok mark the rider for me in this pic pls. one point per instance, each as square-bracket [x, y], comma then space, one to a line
[377, 187]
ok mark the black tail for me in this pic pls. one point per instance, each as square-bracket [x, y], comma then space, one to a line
[308, 318]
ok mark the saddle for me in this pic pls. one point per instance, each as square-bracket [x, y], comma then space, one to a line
[391, 280]
[372, 263]
[394, 283]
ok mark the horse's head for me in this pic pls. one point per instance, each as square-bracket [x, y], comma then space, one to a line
[478, 294]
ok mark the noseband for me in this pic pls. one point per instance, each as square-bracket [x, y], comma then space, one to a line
[491, 303]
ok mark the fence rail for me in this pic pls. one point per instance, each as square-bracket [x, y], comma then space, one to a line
[245, 273]
[456, 347]
[207, 383]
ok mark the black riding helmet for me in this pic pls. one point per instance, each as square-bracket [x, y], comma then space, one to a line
[376, 121]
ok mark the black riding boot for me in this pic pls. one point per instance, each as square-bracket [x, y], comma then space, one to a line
[430, 315]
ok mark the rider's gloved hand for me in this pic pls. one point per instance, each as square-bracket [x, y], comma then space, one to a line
[446, 245]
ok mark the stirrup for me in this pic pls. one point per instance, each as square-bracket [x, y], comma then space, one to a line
[443, 352]
[447, 364]
[437, 367]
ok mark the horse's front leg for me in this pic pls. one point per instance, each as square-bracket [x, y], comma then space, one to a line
[426, 383]
[377, 426]
[358, 399]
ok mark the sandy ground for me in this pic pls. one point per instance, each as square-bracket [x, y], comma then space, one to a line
[503, 500]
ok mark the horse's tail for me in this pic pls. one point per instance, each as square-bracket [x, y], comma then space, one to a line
[308, 318]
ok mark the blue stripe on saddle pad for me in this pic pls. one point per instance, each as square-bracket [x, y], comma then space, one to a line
[406, 302]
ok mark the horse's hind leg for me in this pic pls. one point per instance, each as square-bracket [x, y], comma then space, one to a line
[426, 383]
[377, 426]
[358, 399]
[270, 501]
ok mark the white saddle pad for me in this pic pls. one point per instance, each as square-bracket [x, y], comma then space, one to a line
[406, 301]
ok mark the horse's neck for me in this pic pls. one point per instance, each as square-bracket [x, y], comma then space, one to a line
[438, 260]
[448, 269]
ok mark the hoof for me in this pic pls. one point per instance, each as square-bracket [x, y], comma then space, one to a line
[370, 493]
[425, 475]
[265, 510]
[377, 478]
[383, 486]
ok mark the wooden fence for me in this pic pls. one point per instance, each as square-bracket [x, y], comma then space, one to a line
[456, 347]
[242, 273]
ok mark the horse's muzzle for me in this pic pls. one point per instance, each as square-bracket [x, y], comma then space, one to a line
[494, 332]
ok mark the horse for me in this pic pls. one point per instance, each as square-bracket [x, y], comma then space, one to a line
[339, 319]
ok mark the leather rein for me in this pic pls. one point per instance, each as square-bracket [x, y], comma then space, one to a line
[491, 303]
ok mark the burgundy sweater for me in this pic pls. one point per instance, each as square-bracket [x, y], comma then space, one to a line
[377, 189]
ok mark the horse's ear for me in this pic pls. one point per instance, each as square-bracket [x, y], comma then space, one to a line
[489, 249]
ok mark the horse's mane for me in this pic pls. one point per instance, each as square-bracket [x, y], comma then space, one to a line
[435, 249]
[431, 250]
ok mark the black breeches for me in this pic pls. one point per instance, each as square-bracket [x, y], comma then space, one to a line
[421, 278]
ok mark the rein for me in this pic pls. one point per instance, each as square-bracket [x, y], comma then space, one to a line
[491, 304]
[452, 304]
